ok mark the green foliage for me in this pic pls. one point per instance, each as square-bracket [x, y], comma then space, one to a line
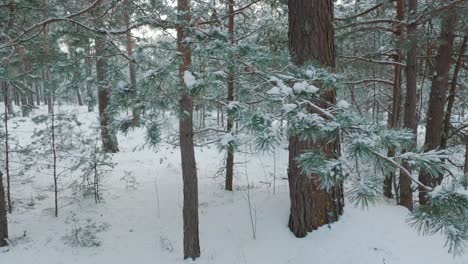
[446, 213]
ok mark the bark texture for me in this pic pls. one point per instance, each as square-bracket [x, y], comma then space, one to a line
[189, 167]
[437, 96]
[108, 137]
[394, 117]
[410, 118]
[311, 39]
[230, 98]
[452, 94]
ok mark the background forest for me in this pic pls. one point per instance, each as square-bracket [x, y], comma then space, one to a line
[234, 131]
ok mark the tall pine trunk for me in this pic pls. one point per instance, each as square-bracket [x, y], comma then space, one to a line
[435, 114]
[230, 98]
[452, 94]
[108, 137]
[189, 167]
[311, 39]
[394, 117]
[410, 118]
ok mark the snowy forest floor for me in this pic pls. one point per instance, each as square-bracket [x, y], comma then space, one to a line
[130, 226]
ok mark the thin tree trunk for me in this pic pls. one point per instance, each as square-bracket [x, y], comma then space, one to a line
[7, 146]
[410, 118]
[3, 215]
[435, 115]
[45, 71]
[90, 93]
[189, 167]
[465, 168]
[394, 117]
[132, 66]
[38, 93]
[452, 93]
[230, 98]
[108, 137]
[54, 154]
[311, 38]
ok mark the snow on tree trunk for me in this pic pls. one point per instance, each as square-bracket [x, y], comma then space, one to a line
[311, 38]
[108, 137]
[189, 167]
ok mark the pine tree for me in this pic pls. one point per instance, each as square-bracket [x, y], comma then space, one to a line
[311, 39]
[189, 167]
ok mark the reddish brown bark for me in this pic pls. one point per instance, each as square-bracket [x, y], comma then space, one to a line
[311, 39]
[394, 117]
[410, 118]
[189, 167]
[452, 93]
[435, 114]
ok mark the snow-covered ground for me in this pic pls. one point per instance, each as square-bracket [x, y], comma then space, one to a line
[144, 224]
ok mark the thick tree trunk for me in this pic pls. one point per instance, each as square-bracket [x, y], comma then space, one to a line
[189, 167]
[452, 93]
[394, 117]
[108, 137]
[311, 38]
[132, 65]
[230, 98]
[410, 118]
[3, 215]
[435, 115]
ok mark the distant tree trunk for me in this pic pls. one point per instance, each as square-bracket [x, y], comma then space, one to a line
[452, 93]
[38, 93]
[24, 104]
[90, 93]
[394, 117]
[132, 66]
[465, 168]
[3, 215]
[410, 118]
[7, 146]
[311, 38]
[435, 114]
[230, 98]
[78, 95]
[189, 167]
[45, 70]
[108, 137]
